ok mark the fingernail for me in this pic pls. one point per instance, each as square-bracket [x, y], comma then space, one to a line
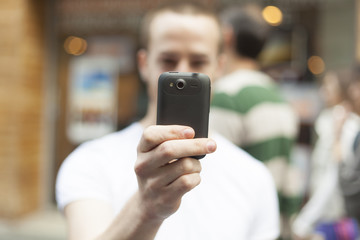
[189, 133]
[211, 146]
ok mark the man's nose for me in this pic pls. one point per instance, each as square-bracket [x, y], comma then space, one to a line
[184, 66]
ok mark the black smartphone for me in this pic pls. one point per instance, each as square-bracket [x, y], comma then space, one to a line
[184, 99]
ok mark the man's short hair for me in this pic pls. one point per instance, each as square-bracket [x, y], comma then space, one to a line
[250, 29]
[180, 7]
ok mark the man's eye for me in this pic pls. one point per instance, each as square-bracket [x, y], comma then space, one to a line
[198, 64]
[168, 61]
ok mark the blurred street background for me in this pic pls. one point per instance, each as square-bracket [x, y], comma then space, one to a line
[68, 74]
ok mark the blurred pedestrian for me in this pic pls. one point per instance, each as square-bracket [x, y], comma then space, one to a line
[248, 108]
[349, 172]
[324, 211]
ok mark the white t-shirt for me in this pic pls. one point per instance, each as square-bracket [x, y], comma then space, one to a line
[236, 198]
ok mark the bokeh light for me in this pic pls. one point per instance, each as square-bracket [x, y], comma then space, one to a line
[75, 45]
[316, 65]
[272, 15]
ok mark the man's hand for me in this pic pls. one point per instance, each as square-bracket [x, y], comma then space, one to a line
[164, 170]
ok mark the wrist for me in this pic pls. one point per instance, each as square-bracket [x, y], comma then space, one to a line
[133, 223]
[145, 213]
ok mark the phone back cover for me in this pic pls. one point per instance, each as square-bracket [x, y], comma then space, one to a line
[189, 106]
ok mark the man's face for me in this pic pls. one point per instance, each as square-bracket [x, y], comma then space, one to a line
[183, 43]
[330, 90]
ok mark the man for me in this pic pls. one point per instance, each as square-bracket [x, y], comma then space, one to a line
[247, 107]
[349, 149]
[104, 198]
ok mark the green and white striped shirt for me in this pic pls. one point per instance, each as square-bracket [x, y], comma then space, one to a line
[248, 109]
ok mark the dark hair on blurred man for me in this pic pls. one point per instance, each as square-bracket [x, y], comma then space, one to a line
[250, 31]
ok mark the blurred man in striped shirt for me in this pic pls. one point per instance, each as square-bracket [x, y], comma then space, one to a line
[248, 108]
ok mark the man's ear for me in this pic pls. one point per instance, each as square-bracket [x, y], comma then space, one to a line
[221, 65]
[228, 35]
[142, 64]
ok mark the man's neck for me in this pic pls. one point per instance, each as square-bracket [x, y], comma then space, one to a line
[150, 117]
[235, 63]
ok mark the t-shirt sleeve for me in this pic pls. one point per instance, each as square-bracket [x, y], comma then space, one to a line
[81, 177]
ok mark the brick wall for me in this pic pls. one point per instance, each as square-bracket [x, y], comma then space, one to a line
[21, 105]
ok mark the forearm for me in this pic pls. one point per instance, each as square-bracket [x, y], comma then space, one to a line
[132, 223]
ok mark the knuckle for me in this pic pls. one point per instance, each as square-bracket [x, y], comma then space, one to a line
[199, 144]
[188, 182]
[147, 135]
[140, 168]
[167, 150]
[187, 165]
[150, 129]
[174, 131]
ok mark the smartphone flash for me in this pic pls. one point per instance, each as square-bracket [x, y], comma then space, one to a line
[171, 84]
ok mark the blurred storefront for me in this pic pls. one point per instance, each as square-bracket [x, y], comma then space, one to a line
[68, 74]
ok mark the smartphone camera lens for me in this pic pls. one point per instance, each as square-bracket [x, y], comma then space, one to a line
[180, 84]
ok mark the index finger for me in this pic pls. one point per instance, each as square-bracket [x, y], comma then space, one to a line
[157, 134]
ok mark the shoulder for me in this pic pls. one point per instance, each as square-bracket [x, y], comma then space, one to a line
[239, 162]
[104, 151]
[240, 79]
[244, 89]
[112, 141]
[90, 169]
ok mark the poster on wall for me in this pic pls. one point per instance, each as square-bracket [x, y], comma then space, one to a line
[92, 105]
